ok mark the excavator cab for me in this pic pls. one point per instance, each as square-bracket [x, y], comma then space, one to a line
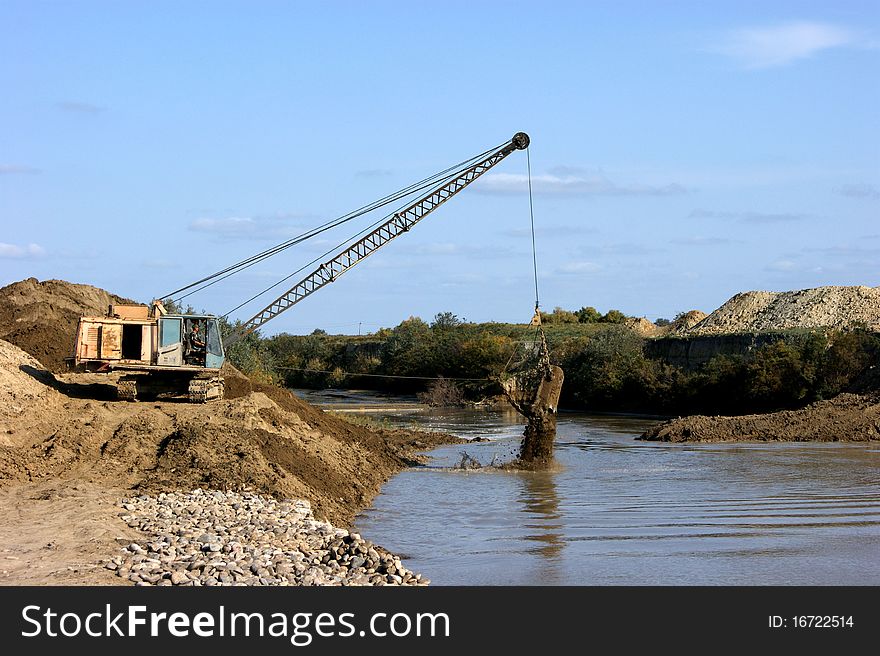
[156, 352]
[201, 342]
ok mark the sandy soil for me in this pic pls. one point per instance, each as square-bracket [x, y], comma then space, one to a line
[57, 532]
[68, 453]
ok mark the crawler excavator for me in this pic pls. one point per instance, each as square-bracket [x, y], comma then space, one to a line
[165, 354]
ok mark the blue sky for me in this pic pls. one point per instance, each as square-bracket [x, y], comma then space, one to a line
[681, 151]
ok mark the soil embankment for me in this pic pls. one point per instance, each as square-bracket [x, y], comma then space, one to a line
[69, 451]
[845, 418]
[67, 458]
[41, 317]
[271, 443]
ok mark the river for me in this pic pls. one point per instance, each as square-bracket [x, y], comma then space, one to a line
[623, 512]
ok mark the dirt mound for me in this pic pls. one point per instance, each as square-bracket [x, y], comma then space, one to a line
[65, 440]
[643, 327]
[41, 317]
[846, 418]
[684, 323]
[18, 389]
[24, 400]
[265, 440]
[821, 307]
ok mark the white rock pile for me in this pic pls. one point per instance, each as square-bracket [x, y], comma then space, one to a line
[820, 307]
[225, 538]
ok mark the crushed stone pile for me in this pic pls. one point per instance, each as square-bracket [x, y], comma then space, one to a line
[211, 538]
[682, 324]
[41, 317]
[820, 307]
[643, 327]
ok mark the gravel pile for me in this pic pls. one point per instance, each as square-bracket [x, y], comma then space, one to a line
[683, 323]
[834, 307]
[643, 327]
[224, 538]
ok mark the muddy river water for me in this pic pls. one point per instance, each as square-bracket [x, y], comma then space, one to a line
[622, 512]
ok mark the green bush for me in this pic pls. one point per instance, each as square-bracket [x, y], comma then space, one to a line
[588, 315]
[559, 316]
[613, 316]
[250, 354]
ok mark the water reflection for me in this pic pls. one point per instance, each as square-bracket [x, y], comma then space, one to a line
[538, 495]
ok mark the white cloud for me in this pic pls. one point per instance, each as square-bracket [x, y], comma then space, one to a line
[159, 264]
[438, 248]
[446, 249]
[779, 45]
[246, 227]
[619, 248]
[373, 173]
[558, 230]
[9, 169]
[14, 251]
[574, 268]
[570, 181]
[704, 241]
[860, 190]
[79, 107]
[749, 217]
[759, 217]
[846, 251]
[782, 265]
[467, 280]
[232, 225]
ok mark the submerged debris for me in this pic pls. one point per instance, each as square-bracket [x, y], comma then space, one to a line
[468, 462]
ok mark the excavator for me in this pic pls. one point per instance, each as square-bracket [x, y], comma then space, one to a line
[162, 354]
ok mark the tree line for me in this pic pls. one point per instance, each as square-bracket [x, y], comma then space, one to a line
[607, 367]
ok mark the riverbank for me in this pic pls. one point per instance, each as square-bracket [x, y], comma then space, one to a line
[845, 418]
[68, 453]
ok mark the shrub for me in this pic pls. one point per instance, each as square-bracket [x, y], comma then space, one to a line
[613, 316]
[849, 360]
[588, 315]
[444, 320]
[442, 392]
[559, 316]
